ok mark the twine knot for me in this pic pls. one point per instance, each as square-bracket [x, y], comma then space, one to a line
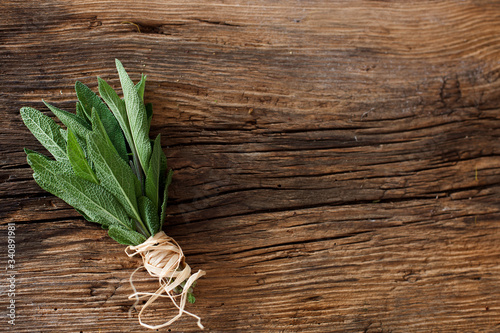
[163, 258]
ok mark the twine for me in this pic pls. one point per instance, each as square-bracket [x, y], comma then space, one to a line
[163, 258]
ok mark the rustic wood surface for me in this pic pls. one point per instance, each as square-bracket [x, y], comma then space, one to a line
[337, 163]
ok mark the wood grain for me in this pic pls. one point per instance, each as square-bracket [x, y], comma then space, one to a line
[337, 163]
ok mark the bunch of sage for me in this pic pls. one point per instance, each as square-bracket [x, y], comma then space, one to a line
[107, 168]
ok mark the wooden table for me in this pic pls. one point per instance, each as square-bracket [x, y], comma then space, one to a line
[337, 163]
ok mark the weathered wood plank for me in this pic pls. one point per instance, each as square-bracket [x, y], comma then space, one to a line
[336, 163]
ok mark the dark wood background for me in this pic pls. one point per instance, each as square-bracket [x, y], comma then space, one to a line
[337, 163]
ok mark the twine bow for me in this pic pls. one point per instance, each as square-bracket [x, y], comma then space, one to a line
[163, 258]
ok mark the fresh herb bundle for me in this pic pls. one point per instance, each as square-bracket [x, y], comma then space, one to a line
[108, 169]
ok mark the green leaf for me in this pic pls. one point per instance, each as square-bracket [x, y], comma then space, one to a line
[149, 113]
[80, 112]
[165, 198]
[85, 216]
[141, 86]
[152, 185]
[137, 117]
[93, 200]
[78, 160]
[125, 236]
[149, 214]
[64, 134]
[163, 167]
[98, 128]
[29, 151]
[190, 298]
[113, 172]
[117, 106]
[46, 131]
[76, 123]
[90, 102]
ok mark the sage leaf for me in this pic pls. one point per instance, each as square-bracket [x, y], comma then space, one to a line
[125, 236]
[78, 160]
[93, 200]
[80, 112]
[46, 131]
[76, 123]
[149, 113]
[64, 134]
[163, 167]
[90, 102]
[105, 166]
[98, 128]
[85, 216]
[114, 174]
[29, 151]
[149, 214]
[152, 186]
[137, 117]
[141, 86]
[117, 106]
[168, 180]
